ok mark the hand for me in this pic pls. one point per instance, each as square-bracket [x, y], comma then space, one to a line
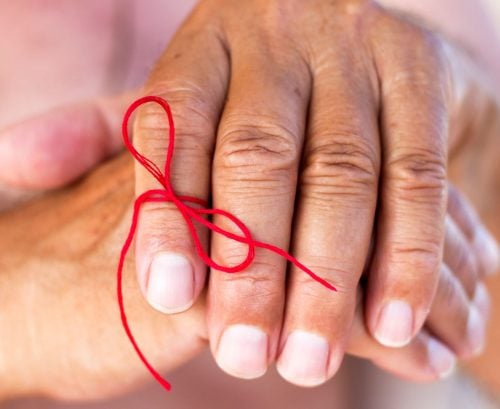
[58, 306]
[277, 107]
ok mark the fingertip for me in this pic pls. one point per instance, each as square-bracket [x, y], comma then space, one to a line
[476, 331]
[303, 361]
[441, 360]
[425, 359]
[242, 351]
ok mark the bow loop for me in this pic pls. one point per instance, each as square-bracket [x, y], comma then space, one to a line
[245, 238]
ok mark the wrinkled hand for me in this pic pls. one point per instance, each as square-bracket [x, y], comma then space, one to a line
[455, 325]
[323, 126]
[60, 332]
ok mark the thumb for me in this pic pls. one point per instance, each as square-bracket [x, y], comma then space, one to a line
[56, 147]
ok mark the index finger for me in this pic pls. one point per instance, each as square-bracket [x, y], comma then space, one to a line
[171, 274]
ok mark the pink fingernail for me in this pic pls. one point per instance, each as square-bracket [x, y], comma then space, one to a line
[476, 328]
[304, 359]
[441, 359]
[170, 287]
[395, 324]
[242, 351]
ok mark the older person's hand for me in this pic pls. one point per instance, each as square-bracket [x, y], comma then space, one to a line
[457, 318]
[60, 332]
[322, 125]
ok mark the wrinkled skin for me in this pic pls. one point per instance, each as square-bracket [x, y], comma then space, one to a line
[59, 318]
[318, 126]
[93, 251]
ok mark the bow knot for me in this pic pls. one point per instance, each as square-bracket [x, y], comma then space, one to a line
[191, 214]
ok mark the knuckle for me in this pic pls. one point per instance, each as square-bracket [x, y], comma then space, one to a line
[340, 167]
[256, 148]
[425, 42]
[192, 115]
[423, 256]
[266, 278]
[430, 69]
[432, 50]
[259, 285]
[430, 45]
[420, 174]
[423, 38]
[160, 223]
[345, 281]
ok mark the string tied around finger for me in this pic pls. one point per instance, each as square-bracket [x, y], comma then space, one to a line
[192, 210]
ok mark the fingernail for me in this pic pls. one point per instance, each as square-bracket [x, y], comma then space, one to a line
[304, 359]
[482, 299]
[441, 359]
[489, 251]
[170, 287]
[242, 351]
[475, 330]
[395, 324]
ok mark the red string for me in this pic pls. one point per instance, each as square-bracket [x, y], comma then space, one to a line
[190, 215]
